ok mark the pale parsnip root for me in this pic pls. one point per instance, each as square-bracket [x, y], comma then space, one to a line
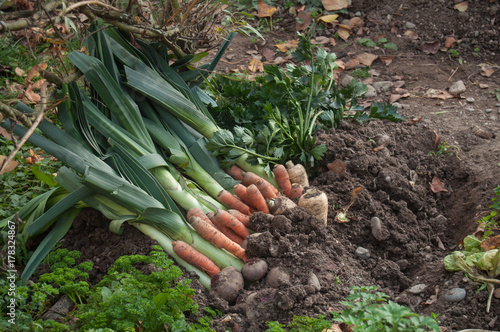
[315, 202]
[297, 174]
[280, 204]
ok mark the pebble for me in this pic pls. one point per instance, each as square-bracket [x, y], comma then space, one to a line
[379, 230]
[346, 80]
[455, 295]
[314, 282]
[482, 132]
[417, 289]
[383, 86]
[357, 14]
[488, 110]
[470, 100]
[457, 88]
[362, 253]
[410, 25]
[497, 105]
[387, 179]
[470, 109]
[371, 92]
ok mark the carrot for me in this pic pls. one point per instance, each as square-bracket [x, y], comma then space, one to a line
[241, 191]
[194, 211]
[217, 238]
[258, 200]
[281, 175]
[245, 220]
[195, 258]
[252, 178]
[235, 172]
[228, 220]
[232, 201]
[225, 230]
[296, 191]
[266, 189]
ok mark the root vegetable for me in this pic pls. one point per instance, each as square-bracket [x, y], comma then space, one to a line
[297, 174]
[281, 175]
[315, 202]
[227, 284]
[296, 191]
[252, 178]
[277, 277]
[226, 219]
[241, 191]
[266, 189]
[232, 201]
[235, 172]
[225, 230]
[254, 269]
[280, 204]
[194, 211]
[245, 220]
[195, 258]
[217, 238]
[258, 201]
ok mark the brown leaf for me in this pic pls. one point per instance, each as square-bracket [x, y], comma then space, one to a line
[411, 34]
[328, 18]
[462, 6]
[268, 54]
[255, 66]
[450, 42]
[38, 84]
[35, 71]
[491, 243]
[337, 166]
[366, 58]
[306, 20]
[353, 63]
[19, 72]
[10, 166]
[431, 47]
[4, 132]
[433, 298]
[387, 59]
[343, 33]
[335, 4]
[32, 96]
[265, 10]
[378, 148]
[394, 98]
[292, 44]
[437, 185]
[356, 23]
[487, 70]
[320, 40]
[438, 94]
[355, 193]
[414, 120]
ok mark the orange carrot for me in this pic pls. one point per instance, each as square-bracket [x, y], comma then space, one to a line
[281, 175]
[195, 258]
[228, 220]
[241, 191]
[252, 178]
[194, 211]
[258, 200]
[232, 201]
[245, 220]
[297, 191]
[225, 230]
[235, 172]
[266, 189]
[217, 238]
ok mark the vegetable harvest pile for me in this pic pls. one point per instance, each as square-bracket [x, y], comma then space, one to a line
[137, 150]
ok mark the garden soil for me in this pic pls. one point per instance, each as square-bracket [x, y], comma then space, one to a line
[424, 202]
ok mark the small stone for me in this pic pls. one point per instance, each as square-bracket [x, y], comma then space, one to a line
[488, 110]
[455, 295]
[387, 179]
[362, 253]
[383, 140]
[417, 289]
[496, 293]
[383, 86]
[357, 14]
[371, 92]
[314, 282]
[476, 33]
[410, 25]
[440, 219]
[379, 230]
[497, 105]
[457, 88]
[346, 80]
[470, 109]
[470, 100]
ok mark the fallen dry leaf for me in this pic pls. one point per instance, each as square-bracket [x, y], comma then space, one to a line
[483, 86]
[366, 58]
[378, 148]
[356, 23]
[340, 64]
[438, 94]
[32, 96]
[437, 185]
[4, 132]
[450, 42]
[10, 166]
[328, 18]
[268, 54]
[433, 298]
[265, 10]
[320, 40]
[414, 120]
[393, 98]
[387, 59]
[335, 4]
[352, 63]
[35, 71]
[337, 166]
[333, 42]
[431, 47]
[462, 6]
[19, 72]
[38, 84]
[306, 19]
[411, 34]
[292, 44]
[255, 66]
[491, 243]
[343, 33]
[487, 70]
